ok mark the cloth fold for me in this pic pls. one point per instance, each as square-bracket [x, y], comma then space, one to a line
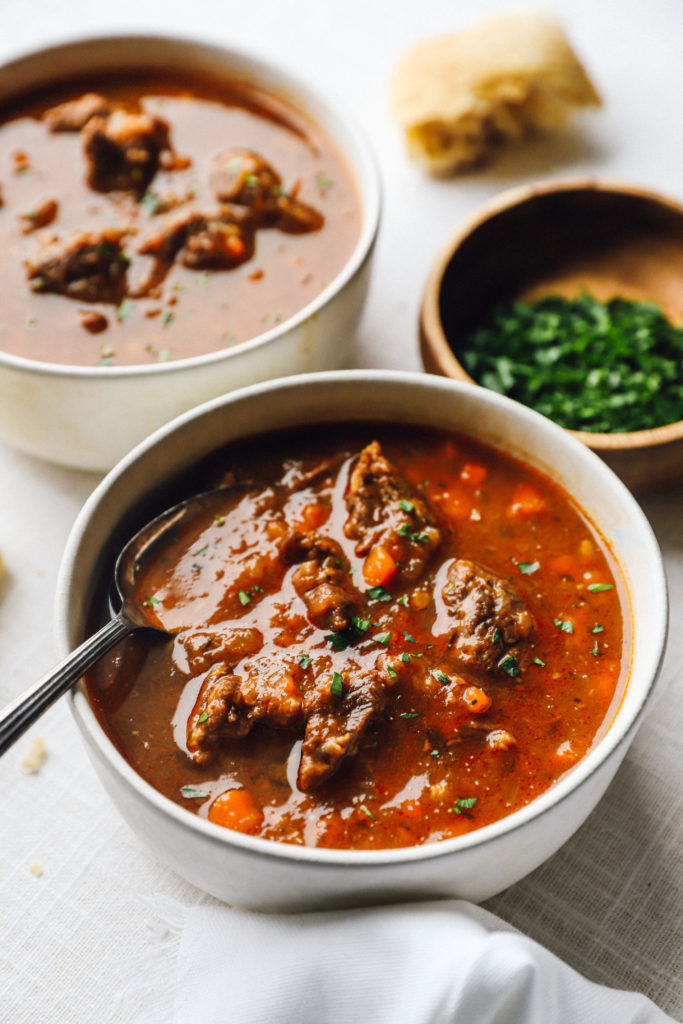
[420, 963]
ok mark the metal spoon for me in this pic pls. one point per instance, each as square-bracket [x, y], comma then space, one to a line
[16, 717]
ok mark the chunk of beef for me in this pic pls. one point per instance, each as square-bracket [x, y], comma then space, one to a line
[203, 243]
[73, 115]
[322, 580]
[89, 268]
[384, 511]
[43, 215]
[243, 177]
[122, 150]
[490, 619]
[228, 646]
[336, 725]
[231, 703]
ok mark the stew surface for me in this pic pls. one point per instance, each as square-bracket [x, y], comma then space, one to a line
[151, 219]
[383, 637]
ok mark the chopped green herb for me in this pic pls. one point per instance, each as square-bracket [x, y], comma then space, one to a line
[324, 181]
[168, 319]
[197, 568]
[124, 309]
[367, 811]
[151, 202]
[152, 601]
[404, 530]
[259, 590]
[496, 638]
[337, 685]
[304, 661]
[566, 625]
[597, 628]
[409, 637]
[382, 638]
[392, 671]
[403, 600]
[595, 652]
[219, 520]
[597, 588]
[203, 717]
[244, 596]
[192, 793]
[340, 641]
[362, 625]
[508, 663]
[165, 355]
[409, 714]
[537, 661]
[406, 506]
[589, 365]
[441, 676]
[202, 551]
[379, 594]
[528, 568]
[405, 657]
[464, 804]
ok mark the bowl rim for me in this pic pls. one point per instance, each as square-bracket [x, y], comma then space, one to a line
[618, 733]
[362, 165]
[433, 336]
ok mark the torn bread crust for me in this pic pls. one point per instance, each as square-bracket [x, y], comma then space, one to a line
[458, 96]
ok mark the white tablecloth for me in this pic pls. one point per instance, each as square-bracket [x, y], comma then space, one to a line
[609, 903]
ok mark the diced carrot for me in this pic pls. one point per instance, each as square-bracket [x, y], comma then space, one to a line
[235, 245]
[477, 700]
[455, 505]
[314, 515]
[378, 567]
[526, 501]
[563, 565]
[236, 809]
[473, 474]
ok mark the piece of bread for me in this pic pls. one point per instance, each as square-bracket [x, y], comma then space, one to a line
[457, 96]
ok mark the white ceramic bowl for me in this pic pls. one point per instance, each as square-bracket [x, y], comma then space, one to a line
[262, 874]
[89, 416]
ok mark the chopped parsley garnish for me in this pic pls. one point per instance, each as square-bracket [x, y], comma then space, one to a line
[152, 601]
[404, 529]
[202, 551]
[405, 657]
[409, 637]
[197, 568]
[167, 319]
[464, 804]
[191, 793]
[337, 685]
[409, 714]
[340, 640]
[441, 676]
[537, 661]
[508, 663]
[392, 671]
[496, 636]
[597, 588]
[219, 520]
[403, 600]
[366, 810]
[123, 310]
[382, 638]
[244, 597]
[597, 628]
[595, 652]
[203, 717]
[435, 753]
[379, 594]
[304, 661]
[362, 625]
[528, 568]
[589, 365]
[165, 355]
[566, 625]
[406, 506]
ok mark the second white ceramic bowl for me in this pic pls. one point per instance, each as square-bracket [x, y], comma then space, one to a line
[267, 875]
[89, 416]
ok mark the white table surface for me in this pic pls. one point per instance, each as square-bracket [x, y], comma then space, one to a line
[609, 902]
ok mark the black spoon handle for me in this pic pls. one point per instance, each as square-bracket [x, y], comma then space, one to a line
[28, 706]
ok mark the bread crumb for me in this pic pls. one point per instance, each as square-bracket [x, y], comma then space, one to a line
[34, 759]
[36, 869]
[456, 97]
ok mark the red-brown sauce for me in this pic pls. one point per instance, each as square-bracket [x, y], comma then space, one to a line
[457, 744]
[47, 201]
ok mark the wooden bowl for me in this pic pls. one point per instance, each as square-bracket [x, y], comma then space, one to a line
[563, 237]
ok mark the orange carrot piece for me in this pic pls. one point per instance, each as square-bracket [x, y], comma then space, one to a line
[455, 505]
[473, 474]
[378, 567]
[314, 515]
[477, 700]
[526, 501]
[563, 565]
[236, 809]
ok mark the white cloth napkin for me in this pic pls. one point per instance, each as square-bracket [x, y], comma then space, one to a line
[424, 963]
